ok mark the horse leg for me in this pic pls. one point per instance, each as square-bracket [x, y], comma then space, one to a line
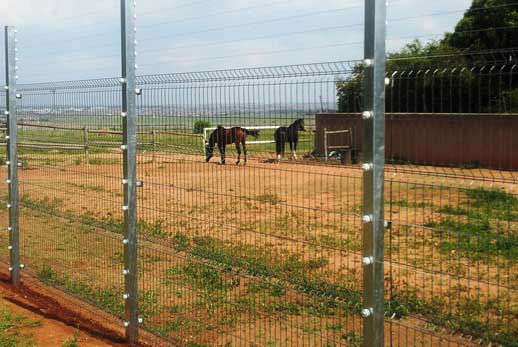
[244, 150]
[291, 150]
[282, 149]
[222, 153]
[295, 148]
[278, 145]
[238, 148]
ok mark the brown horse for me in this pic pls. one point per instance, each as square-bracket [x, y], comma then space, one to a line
[224, 137]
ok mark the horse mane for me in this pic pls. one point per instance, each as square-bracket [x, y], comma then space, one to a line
[298, 123]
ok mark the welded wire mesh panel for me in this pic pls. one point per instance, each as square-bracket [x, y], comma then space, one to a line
[70, 197]
[468, 109]
[441, 118]
[451, 256]
[261, 254]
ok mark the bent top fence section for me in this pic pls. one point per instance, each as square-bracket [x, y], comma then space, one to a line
[436, 85]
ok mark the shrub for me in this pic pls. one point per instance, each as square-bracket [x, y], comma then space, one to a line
[199, 125]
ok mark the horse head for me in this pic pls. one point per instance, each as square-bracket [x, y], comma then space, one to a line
[209, 147]
[300, 124]
[254, 133]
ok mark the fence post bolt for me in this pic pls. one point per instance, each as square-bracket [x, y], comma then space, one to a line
[367, 261]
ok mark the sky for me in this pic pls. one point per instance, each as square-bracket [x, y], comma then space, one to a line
[78, 39]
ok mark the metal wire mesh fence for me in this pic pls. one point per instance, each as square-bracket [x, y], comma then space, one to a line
[265, 252]
[261, 252]
[271, 252]
[70, 190]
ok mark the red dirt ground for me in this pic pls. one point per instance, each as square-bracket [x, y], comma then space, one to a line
[60, 316]
[49, 332]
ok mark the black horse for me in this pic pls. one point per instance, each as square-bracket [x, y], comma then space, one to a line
[224, 137]
[288, 134]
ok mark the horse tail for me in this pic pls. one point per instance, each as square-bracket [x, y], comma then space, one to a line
[254, 133]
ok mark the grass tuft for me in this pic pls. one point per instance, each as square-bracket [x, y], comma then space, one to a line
[73, 341]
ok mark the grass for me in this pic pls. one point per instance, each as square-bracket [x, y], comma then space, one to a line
[407, 204]
[494, 203]
[184, 144]
[93, 188]
[269, 198]
[73, 341]
[170, 327]
[478, 236]
[54, 206]
[352, 339]
[11, 327]
[46, 203]
[109, 299]
[473, 228]
[475, 240]
[154, 229]
[337, 242]
[180, 242]
[468, 316]
[103, 161]
[304, 275]
[486, 205]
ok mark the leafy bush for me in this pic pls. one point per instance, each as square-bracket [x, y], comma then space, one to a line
[199, 125]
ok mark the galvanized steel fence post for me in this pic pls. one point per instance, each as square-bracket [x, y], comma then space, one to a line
[12, 155]
[373, 166]
[129, 149]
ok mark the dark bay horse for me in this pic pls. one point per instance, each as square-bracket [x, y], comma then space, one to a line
[288, 134]
[224, 137]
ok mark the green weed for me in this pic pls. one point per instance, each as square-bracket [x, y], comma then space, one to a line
[180, 242]
[334, 326]
[269, 198]
[408, 204]
[475, 240]
[154, 229]
[103, 161]
[107, 298]
[73, 341]
[352, 339]
[10, 326]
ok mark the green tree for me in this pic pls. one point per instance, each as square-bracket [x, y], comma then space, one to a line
[442, 75]
[487, 24]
